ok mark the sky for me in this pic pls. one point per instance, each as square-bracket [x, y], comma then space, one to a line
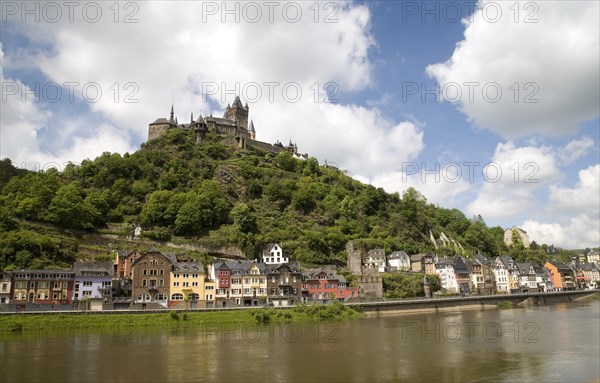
[491, 107]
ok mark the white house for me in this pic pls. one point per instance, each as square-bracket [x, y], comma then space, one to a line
[528, 276]
[501, 277]
[444, 268]
[376, 260]
[543, 278]
[593, 257]
[398, 260]
[273, 254]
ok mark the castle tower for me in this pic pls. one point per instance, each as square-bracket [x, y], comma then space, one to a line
[354, 258]
[426, 287]
[171, 119]
[237, 112]
[251, 130]
[161, 126]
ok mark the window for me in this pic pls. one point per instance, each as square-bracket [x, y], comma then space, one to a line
[194, 275]
[86, 293]
[145, 272]
[160, 297]
[144, 283]
[87, 283]
[177, 297]
[176, 275]
[175, 284]
[186, 284]
[194, 284]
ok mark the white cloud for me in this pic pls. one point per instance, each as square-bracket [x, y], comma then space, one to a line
[576, 149]
[557, 55]
[443, 188]
[584, 198]
[22, 122]
[172, 55]
[580, 232]
[512, 178]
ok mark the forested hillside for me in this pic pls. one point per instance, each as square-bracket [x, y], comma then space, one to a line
[214, 193]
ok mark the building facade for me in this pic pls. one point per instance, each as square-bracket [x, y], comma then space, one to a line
[325, 285]
[284, 285]
[5, 287]
[152, 279]
[273, 254]
[48, 287]
[188, 286]
[92, 283]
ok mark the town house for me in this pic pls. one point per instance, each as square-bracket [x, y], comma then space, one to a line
[284, 284]
[92, 284]
[324, 285]
[152, 278]
[188, 288]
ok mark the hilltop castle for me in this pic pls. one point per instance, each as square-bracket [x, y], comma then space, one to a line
[233, 127]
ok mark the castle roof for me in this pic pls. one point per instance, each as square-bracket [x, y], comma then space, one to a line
[221, 121]
[252, 126]
[160, 121]
[237, 102]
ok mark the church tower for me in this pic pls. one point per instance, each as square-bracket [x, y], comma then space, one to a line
[238, 112]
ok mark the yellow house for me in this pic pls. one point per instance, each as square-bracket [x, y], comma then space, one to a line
[190, 287]
[254, 285]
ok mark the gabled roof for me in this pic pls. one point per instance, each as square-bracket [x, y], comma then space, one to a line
[171, 257]
[505, 259]
[313, 274]
[560, 265]
[106, 268]
[524, 267]
[483, 259]
[445, 261]
[397, 254]
[192, 267]
[278, 268]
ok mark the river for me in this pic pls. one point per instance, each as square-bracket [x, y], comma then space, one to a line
[555, 343]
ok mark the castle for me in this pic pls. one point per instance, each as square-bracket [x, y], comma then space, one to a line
[233, 127]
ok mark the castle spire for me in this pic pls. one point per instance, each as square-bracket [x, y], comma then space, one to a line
[252, 131]
[171, 119]
[192, 118]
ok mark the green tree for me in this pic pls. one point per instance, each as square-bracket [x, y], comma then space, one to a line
[68, 208]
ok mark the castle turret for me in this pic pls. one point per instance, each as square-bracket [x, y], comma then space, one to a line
[237, 112]
[171, 119]
[252, 131]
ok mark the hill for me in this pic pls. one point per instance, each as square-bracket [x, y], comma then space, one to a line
[212, 195]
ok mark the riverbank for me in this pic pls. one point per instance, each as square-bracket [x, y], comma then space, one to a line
[175, 319]
[456, 304]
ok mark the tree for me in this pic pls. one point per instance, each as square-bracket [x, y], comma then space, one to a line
[68, 208]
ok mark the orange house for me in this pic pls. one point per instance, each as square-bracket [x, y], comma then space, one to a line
[563, 277]
[124, 261]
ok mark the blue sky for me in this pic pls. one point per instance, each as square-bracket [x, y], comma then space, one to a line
[384, 59]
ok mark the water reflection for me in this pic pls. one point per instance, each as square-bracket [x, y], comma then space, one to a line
[547, 343]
